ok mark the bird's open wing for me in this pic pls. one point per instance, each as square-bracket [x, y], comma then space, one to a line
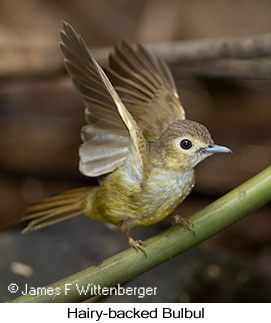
[146, 87]
[111, 128]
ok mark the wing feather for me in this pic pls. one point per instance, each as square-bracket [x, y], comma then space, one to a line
[111, 130]
[146, 87]
[140, 106]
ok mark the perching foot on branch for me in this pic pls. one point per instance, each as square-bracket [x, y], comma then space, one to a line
[136, 244]
[187, 224]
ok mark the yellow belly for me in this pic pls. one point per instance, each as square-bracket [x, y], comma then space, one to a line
[139, 204]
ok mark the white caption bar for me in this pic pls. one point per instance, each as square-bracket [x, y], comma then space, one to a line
[108, 312]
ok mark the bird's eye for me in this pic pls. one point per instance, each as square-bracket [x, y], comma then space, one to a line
[186, 144]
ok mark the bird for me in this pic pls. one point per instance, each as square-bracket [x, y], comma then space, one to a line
[136, 139]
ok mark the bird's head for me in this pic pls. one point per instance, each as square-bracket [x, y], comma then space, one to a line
[183, 145]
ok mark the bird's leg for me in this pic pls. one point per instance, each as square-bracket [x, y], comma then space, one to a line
[136, 244]
[187, 224]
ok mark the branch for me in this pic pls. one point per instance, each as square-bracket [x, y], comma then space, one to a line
[128, 264]
[33, 62]
[206, 49]
[256, 69]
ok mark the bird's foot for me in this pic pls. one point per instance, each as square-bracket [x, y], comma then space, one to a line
[187, 224]
[137, 245]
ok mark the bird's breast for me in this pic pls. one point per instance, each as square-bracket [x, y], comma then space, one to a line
[144, 203]
[162, 193]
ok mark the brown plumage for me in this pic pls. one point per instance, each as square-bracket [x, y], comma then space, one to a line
[146, 88]
[55, 209]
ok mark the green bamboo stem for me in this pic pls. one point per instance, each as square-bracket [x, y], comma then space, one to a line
[128, 264]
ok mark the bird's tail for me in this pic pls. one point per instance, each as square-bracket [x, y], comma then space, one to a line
[57, 208]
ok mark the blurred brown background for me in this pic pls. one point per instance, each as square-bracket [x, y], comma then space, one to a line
[40, 120]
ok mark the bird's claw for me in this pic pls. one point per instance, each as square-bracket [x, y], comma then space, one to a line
[187, 224]
[137, 245]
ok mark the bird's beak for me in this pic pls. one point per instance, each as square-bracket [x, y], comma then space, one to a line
[216, 149]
